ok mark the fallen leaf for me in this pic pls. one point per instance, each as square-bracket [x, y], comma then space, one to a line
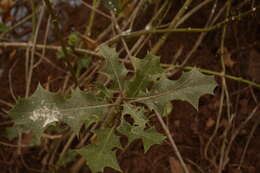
[227, 58]
[210, 122]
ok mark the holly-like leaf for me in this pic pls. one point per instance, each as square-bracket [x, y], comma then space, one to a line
[137, 113]
[149, 136]
[137, 130]
[114, 69]
[100, 154]
[145, 69]
[35, 113]
[81, 108]
[190, 87]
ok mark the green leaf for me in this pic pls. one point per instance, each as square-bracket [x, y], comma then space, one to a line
[145, 70]
[11, 133]
[85, 61]
[137, 130]
[37, 112]
[101, 154]
[114, 68]
[74, 39]
[81, 108]
[105, 93]
[70, 156]
[190, 87]
[149, 136]
[137, 113]
[3, 27]
[43, 108]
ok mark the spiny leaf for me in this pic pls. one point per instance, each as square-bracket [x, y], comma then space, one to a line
[114, 69]
[145, 69]
[43, 108]
[137, 113]
[149, 136]
[137, 131]
[100, 154]
[75, 111]
[189, 87]
[37, 112]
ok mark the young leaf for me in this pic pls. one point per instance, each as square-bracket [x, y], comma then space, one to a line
[114, 69]
[100, 154]
[189, 87]
[145, 69]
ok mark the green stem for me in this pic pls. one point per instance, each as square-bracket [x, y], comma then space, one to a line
[95, 5]
[173, 23]
[59, 34]
[220, 74]
[171, 30]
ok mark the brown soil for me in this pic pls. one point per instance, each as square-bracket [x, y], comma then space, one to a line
[190, 129]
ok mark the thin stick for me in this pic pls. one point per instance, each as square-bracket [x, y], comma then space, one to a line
[174, 146]
[220, 74]
[42, 46]
[171, 30]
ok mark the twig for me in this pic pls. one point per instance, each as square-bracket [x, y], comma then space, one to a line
[60, 38]
[93, 8]
[174, 146]
[95, 5]
[42, 46]
[171, 30]
[220, 74]
[248, 140]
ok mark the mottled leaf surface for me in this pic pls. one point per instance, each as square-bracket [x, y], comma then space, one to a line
[43, 108]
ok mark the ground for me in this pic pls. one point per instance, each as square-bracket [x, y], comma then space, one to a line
[200, 135]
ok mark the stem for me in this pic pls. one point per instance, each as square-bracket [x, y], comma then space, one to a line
[59, 34]
[220, 74]
[95, 5]
[173, 23]
[174, 146]
[171, 30]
